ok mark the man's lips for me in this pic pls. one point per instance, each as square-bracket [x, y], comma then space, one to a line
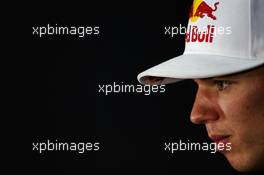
[220, 138]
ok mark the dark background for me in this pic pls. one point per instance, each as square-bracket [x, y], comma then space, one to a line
[53, 92]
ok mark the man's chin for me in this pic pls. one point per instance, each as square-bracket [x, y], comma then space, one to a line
[243, 163]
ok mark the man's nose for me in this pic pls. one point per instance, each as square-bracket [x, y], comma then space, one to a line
[204, 108]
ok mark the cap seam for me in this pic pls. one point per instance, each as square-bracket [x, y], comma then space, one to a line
[219, 54]
[250, 29]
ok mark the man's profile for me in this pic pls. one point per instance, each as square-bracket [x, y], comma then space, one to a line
[229, 73]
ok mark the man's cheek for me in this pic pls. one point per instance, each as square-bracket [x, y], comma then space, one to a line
[233, 109]
[236, 102]
[244, 140]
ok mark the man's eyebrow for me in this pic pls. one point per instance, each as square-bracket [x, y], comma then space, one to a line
[211, 80]
[202, 80]
[228, 77]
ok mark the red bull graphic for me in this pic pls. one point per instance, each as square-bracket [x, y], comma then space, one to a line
[200, 8]
[193, 35]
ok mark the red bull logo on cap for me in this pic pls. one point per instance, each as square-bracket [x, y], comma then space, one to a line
[199, 10]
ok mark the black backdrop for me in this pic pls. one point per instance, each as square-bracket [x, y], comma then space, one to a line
[55, 95]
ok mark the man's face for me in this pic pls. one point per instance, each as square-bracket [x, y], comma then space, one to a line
[232, 109]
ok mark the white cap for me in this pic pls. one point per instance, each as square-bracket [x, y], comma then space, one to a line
[223, 37]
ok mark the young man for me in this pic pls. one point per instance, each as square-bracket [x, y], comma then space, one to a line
[224, 55]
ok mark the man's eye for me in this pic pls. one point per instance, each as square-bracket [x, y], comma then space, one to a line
[221, 84]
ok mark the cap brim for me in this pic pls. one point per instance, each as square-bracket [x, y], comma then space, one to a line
[196, 66]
